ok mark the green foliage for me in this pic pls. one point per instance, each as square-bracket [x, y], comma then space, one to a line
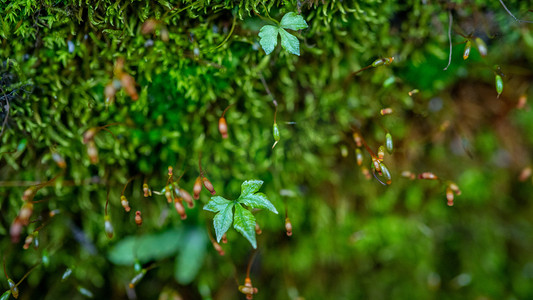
[269, 34]
[352, 238]
[243, 220]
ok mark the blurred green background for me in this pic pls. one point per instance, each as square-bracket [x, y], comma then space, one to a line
[353, 238]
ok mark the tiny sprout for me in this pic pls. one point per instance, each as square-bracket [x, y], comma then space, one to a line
[408, 174]
[359, 156]
[357, 139]
[381, 153]
[388, 143]
[499, 84]
[248, 289]
[209, 186]
[27, 242]
[415, 91]
[427, 175]
[288, 226]
[60, 161]
[525, 174]
[277, 137]
[108, 227]
[466, 52]
[481, 47]
[218, 248]
[138, 218]
[124, 202]
[522, 101]
[92, 151]
[66, 274]
[137, 278]
[382, 61]
[146, 190]
[449, 196]
[224, 239]
[180, 208]
[197, 188]
[258, 230]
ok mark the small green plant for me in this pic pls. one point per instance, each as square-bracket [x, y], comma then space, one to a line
[269, 33]
[243, 220]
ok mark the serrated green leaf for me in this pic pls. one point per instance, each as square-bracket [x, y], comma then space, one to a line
[289, 42]
[250, 187]
[293, 21]
[244, 222]
[258, 200]
[222, 220]
[216, 204]
[269, 38]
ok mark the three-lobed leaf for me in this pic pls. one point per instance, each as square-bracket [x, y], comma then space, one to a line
[243, 220]
[269, 34]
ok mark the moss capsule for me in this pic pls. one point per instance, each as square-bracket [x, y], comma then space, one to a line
[180, 208]
[499, 84]
[386, 173]
[466, 52]
[209, 186]
[449, 196]
[481, 47]
[386, 111]
[13, 288]
[381, 153]
[197, 188]
[223, 127]
[6, 295]
[138, 218]
[108, 227]
[357, 139]
[359, 156]
[137, 278]
[388, 143]
[288, 226]
[275, 132]
[124, 202]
